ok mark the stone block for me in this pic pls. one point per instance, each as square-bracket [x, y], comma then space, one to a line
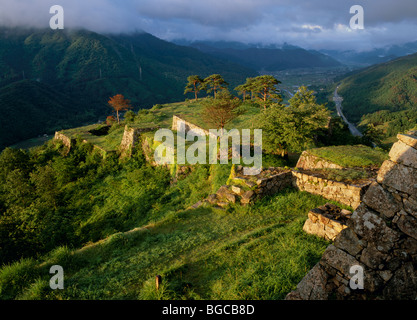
[348, 241]
[408, 225]
[372, 257]
[408, 140]
[314, 228]
[312, 286]
[410, 206]
[372, 228]
[399, 177]
[212, 198]
[339, 260]
[237, 190]
[402, 285]
[381, 200]
[404, 154]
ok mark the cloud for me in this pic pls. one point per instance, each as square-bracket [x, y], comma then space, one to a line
[315, 24]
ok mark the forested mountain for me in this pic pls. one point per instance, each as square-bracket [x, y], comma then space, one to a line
[50, 79]
[385, 94]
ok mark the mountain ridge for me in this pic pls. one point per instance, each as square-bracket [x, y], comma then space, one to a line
[268, 58]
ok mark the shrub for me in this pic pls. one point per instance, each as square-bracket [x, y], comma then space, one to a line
[16, 276]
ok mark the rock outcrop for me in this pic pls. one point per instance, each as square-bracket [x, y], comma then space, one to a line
[380, 240]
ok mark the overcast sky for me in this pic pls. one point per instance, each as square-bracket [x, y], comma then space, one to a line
[315, 24]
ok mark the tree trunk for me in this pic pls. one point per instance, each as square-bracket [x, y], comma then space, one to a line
[195, 91]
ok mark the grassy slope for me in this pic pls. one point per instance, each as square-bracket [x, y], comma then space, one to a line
[160, 115]
[257, 252]
[351, 156]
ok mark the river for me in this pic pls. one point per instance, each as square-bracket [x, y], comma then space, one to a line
[338, 101]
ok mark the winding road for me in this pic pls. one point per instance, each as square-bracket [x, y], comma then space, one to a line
[338, 101]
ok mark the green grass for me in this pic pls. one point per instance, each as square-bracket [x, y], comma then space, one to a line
[159, 115]
[351, 156]
[345, 175]
[257, 252]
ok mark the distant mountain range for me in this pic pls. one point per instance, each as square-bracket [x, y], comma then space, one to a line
[52, 79]
[264, 58]
[374, 56]
[275, 57]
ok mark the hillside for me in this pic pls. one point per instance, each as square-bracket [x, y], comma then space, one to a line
[86, 69]
[386, 93]
[30, 108]
[115, 223]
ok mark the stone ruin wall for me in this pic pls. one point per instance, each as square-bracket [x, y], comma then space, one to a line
[65, 140]
[348, 194]
[177, 122]
[381, 238]
[309, 161]
[131, 137]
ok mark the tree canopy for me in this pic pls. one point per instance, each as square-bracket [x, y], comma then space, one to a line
[119, 103]
[195, 84]
[265, 90]
[291, 128]
[303, 96]
[214, 83]
[222, 110]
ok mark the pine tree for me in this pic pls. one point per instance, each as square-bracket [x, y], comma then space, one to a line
[194, 85]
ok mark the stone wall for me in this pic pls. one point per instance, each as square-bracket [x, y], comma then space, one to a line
[177, 124]
[65, 140]
[310, 161]
[327, 221]
[131, 140]
[131, 137]
[381, 238]
[348, 194]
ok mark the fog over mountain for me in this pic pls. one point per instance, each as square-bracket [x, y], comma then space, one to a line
[320, 24]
